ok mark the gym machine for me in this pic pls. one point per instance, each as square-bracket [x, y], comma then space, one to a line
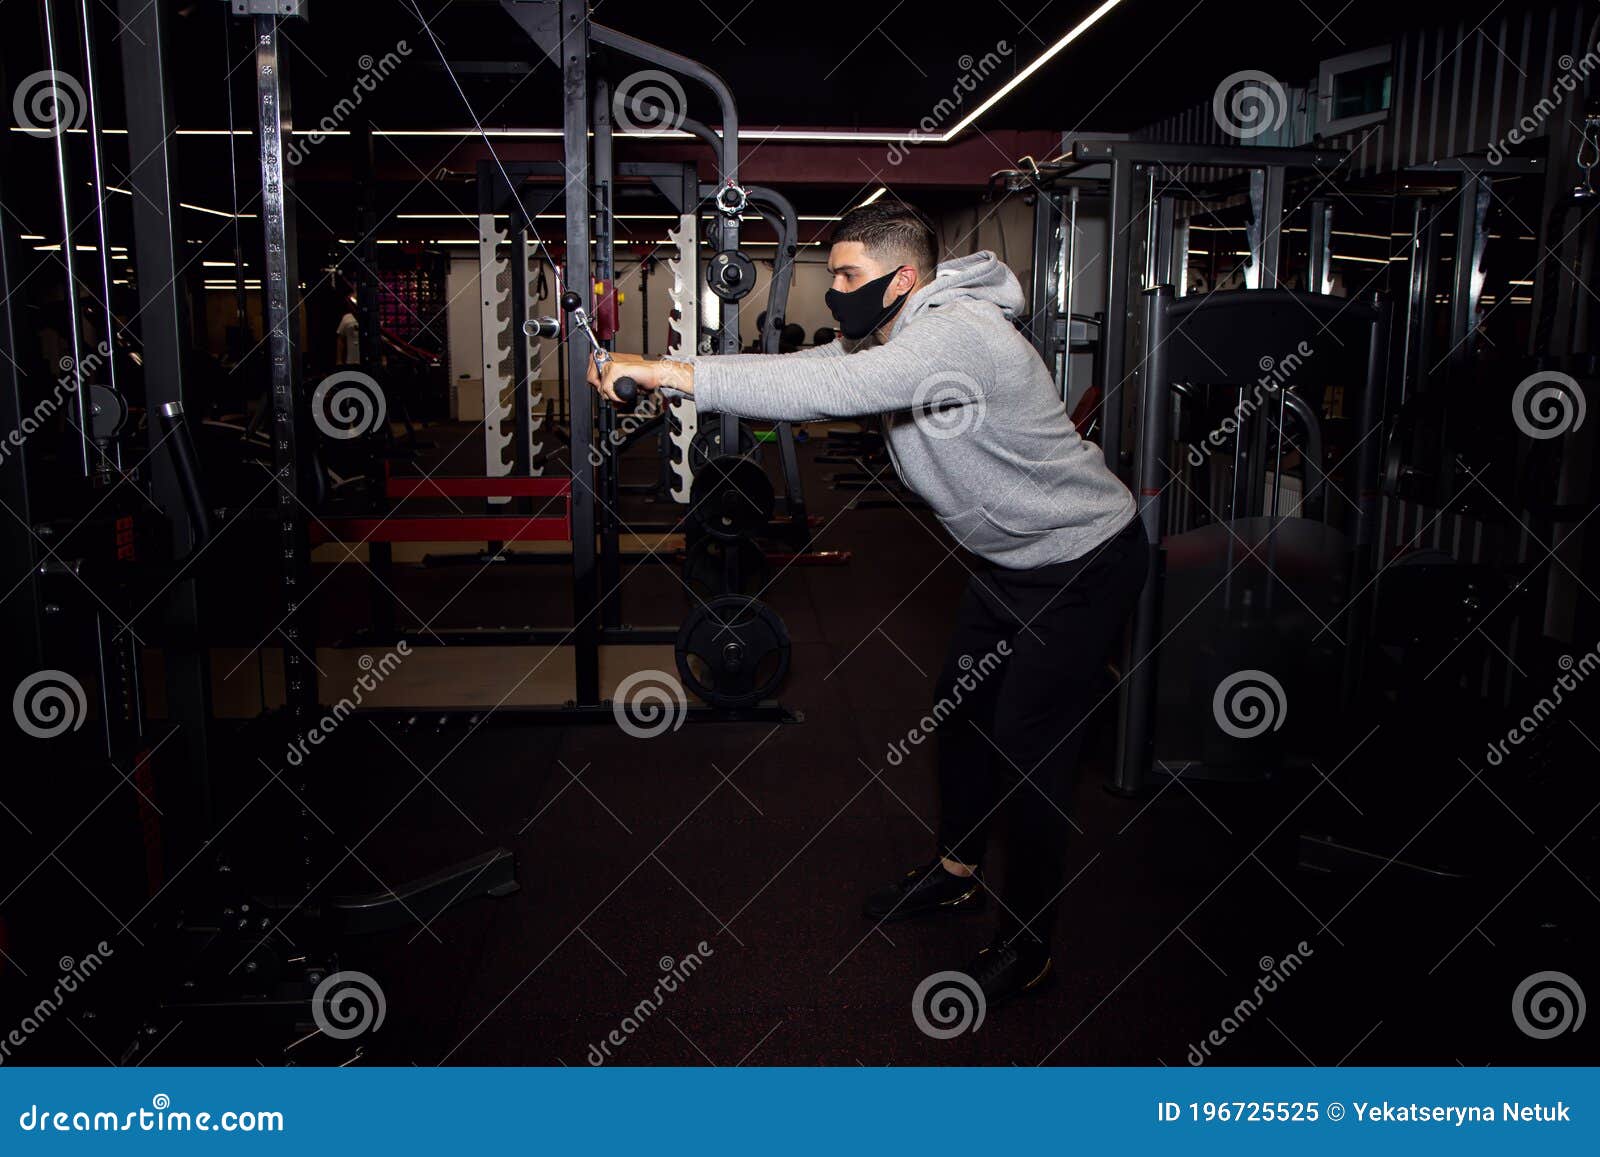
[1246, 594]
[1147, 241]
[729, 497]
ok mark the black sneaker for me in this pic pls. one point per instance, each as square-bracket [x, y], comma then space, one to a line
[923, 891]
[1005, 970]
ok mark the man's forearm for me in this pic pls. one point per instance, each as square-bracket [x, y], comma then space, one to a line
[817, 385]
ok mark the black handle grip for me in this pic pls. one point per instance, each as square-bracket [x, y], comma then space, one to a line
[186, 465]
[627, 390]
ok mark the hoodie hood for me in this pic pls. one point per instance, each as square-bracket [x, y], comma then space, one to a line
[979, 277]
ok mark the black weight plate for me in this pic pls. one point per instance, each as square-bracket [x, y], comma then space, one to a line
[733, 651]
[707, 444]
[705, 567]
[732, 498]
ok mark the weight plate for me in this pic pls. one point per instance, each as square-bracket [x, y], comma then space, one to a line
[733, 651]
[731, 275]
[706, 567]
[707, 444]
[732, 498]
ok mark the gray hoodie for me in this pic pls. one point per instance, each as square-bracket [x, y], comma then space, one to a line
[972, 417]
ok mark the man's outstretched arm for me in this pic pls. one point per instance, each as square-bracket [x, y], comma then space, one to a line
[817, 386]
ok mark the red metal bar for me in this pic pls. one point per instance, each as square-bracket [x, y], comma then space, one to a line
[402, 486]
[442, 528]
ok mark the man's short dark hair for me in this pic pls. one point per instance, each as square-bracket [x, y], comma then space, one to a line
[893, 232]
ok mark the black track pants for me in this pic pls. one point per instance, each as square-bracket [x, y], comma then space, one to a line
[1023, 672]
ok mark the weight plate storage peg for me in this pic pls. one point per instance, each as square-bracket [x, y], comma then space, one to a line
[733, 652]
[706, 569]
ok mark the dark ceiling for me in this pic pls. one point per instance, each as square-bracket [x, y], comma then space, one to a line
[863, 63]
[875, 64]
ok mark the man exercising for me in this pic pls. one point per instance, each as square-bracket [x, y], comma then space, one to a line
[976, 427]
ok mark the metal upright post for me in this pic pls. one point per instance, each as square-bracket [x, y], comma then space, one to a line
[21, 614]
[602, 185]
[521, 390]
[1266, 229]
[164, 335]
[1137, 709]
[1042, 300]
[1319, 257]
[66, 185]
[574, 53]
[1365, 518]
[1067, 290]
[280, 290]
[1114, 334]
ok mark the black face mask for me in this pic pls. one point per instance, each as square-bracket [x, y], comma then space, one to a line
[861, 311]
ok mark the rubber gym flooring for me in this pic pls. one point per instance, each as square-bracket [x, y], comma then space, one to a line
[760, 840]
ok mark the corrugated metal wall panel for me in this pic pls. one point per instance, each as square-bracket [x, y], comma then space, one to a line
[1456, 90]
